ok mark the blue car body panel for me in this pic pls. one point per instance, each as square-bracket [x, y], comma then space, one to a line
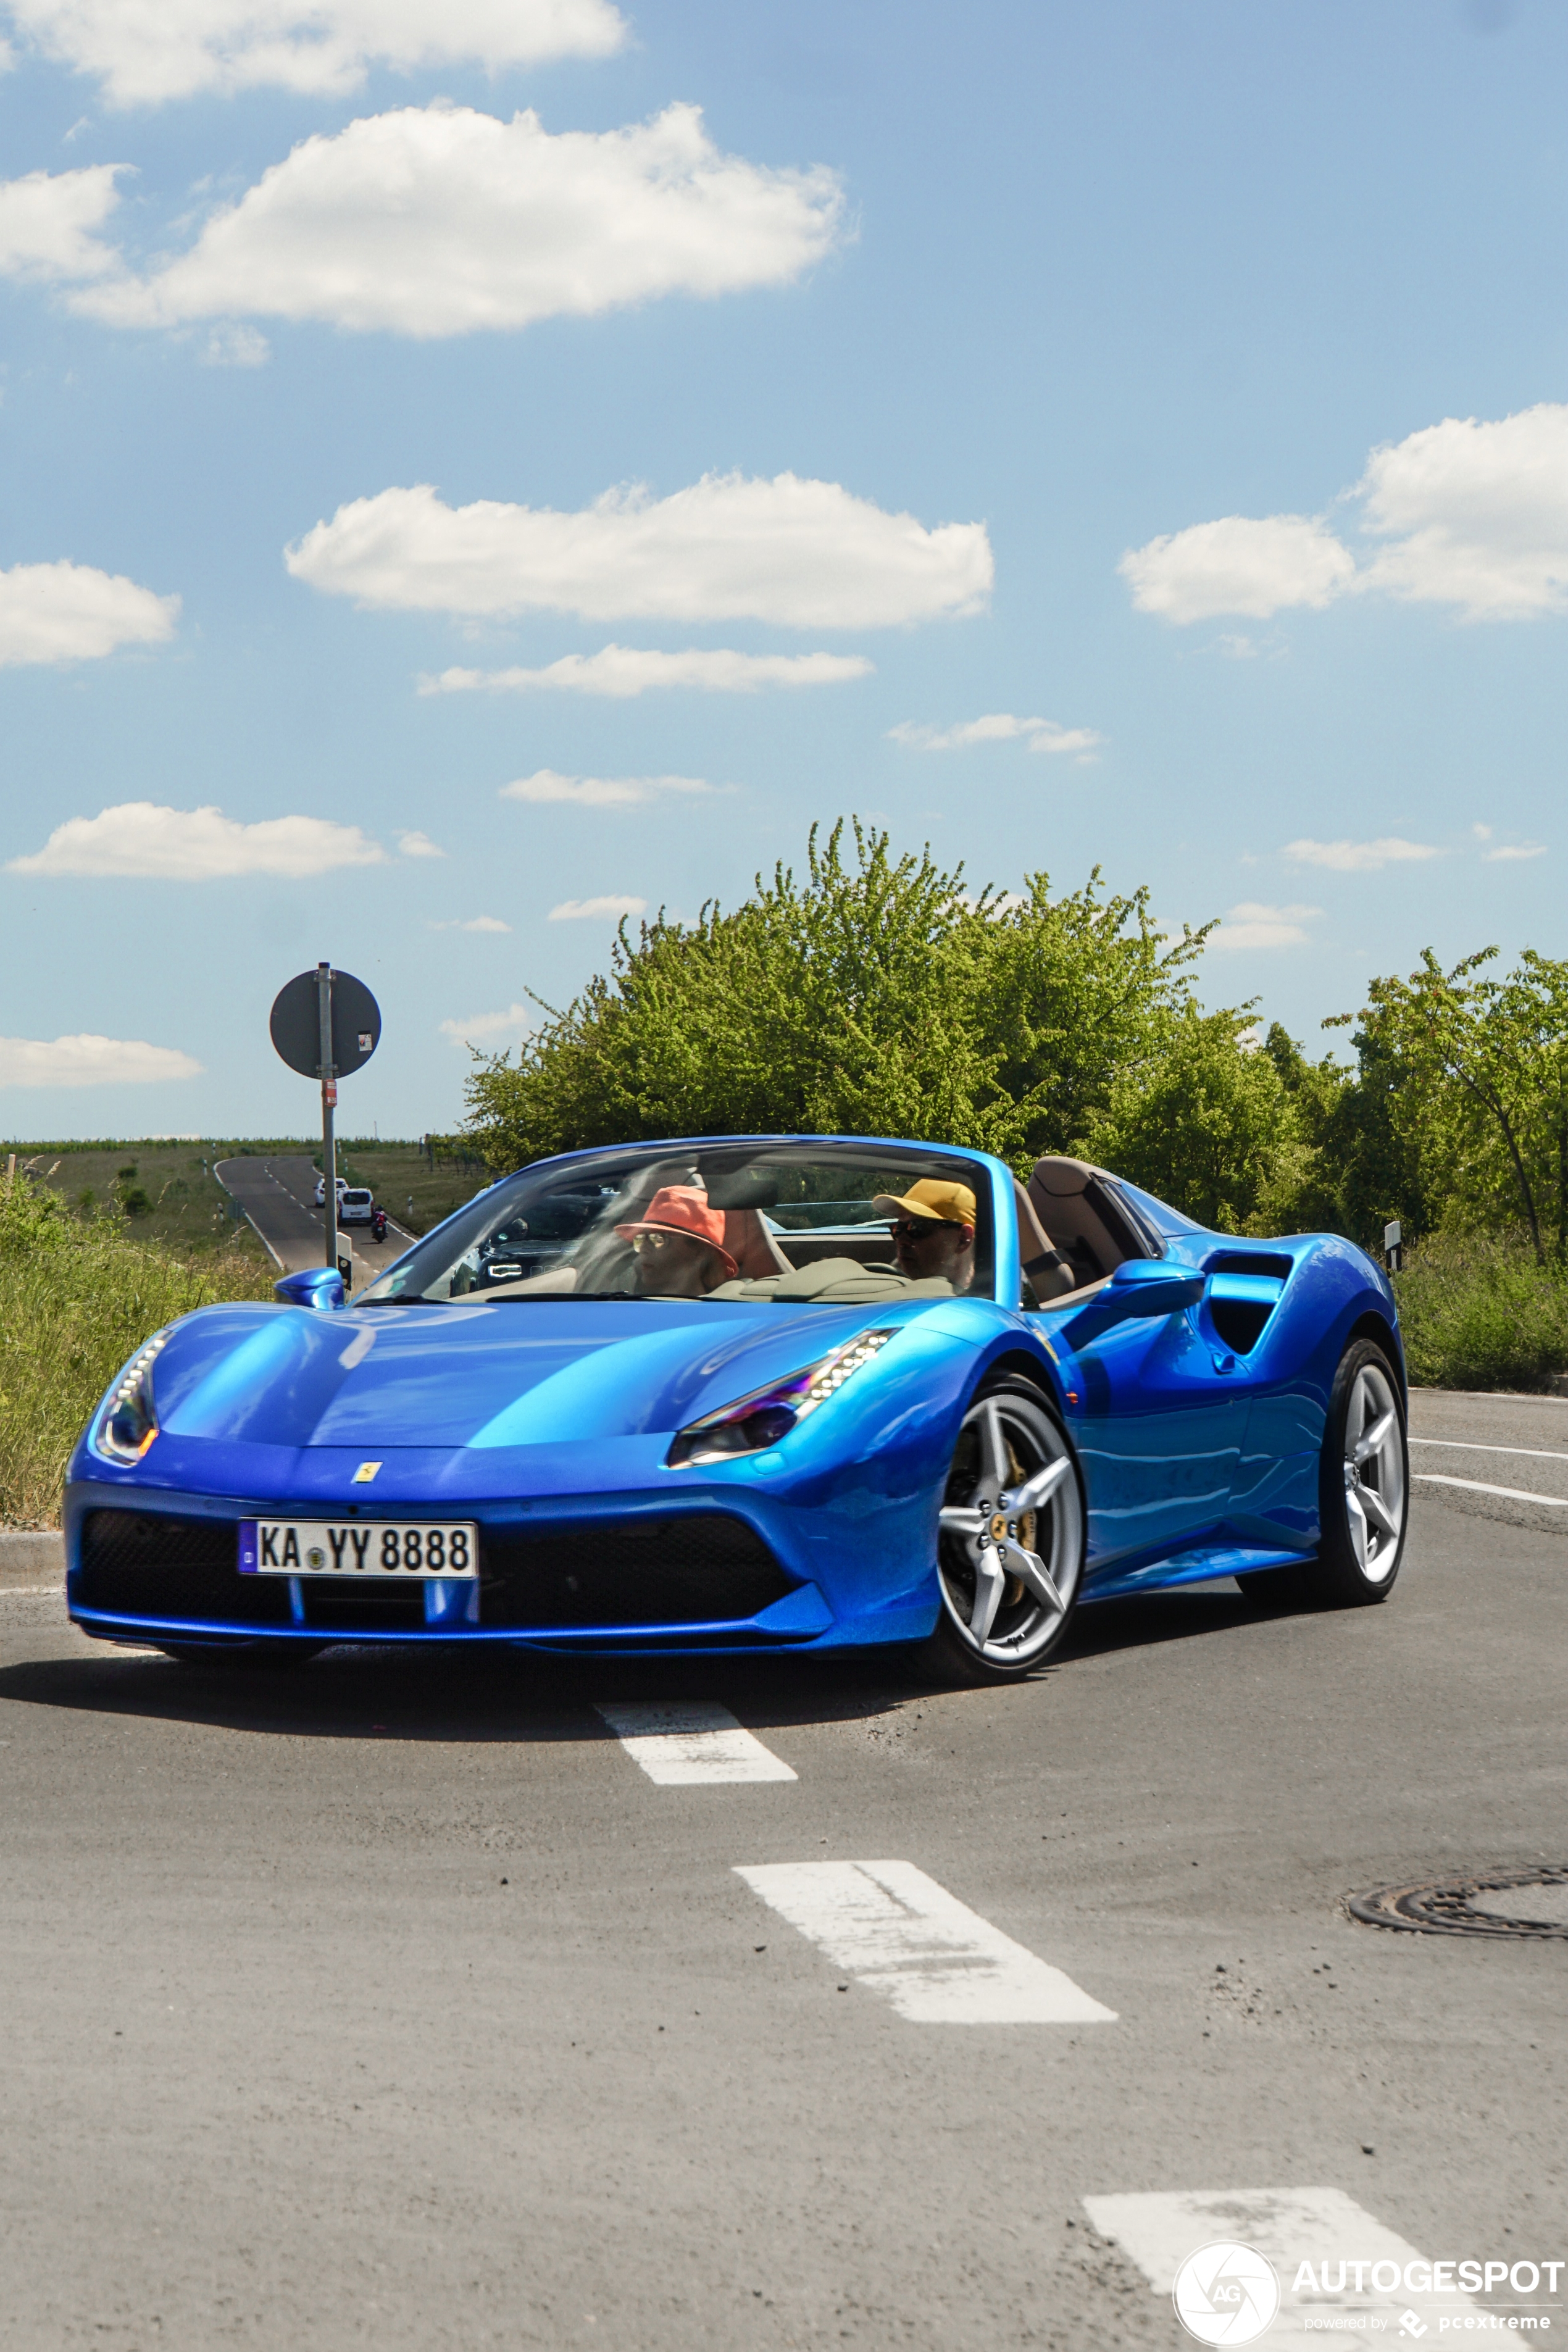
[550, 1426]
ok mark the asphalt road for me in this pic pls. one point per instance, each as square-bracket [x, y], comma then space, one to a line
[279, 1197]
[392, 2003]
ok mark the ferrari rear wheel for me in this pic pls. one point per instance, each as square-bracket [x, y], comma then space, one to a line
[257, 1656]
[1010, 1543]
[1366, 1481]
[1365, 1485]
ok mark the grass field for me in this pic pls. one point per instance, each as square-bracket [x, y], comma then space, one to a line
[166, 1191]
[77, 1295]
[103, 1243]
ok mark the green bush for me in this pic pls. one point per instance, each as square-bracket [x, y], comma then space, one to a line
[877, 994]
[1478, 1312]
[74, 1301]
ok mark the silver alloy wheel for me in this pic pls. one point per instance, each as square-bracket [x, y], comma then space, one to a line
[1374, 1474]
[1011, 1543]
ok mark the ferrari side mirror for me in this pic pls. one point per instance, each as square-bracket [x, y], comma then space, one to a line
[1141, 1289]
[312, 1285]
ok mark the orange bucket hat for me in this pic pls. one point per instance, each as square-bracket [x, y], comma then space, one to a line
[682, 1209]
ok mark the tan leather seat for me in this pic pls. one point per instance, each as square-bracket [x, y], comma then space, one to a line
[1048, 1272]
[1069, 1198]
[752, 1247]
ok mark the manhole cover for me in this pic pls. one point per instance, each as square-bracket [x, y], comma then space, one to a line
[1493, 1903]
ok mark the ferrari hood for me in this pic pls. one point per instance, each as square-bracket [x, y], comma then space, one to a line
[482, 1376]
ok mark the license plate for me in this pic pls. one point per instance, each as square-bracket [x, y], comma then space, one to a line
[411, 1548]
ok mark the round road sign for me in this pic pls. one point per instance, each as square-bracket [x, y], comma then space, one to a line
[296, 1024]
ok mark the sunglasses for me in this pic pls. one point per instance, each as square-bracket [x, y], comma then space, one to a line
[657, 1241]
[911, 1229]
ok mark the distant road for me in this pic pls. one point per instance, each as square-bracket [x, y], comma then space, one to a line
[279, 1197]
[1496, 1456]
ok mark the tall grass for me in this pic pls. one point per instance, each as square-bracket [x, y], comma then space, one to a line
[1478, 1312]
[74, 1301]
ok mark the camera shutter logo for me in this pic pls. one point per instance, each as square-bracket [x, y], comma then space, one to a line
[1226, 2293]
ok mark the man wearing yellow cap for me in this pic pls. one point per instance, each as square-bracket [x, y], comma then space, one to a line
[933, 1230]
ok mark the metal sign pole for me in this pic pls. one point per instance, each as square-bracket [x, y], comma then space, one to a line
[328, 1104]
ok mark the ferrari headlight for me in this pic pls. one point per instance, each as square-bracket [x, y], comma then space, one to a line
[129, 1421]
[754, 1422]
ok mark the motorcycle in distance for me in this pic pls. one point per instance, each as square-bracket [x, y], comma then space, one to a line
[378, 1223]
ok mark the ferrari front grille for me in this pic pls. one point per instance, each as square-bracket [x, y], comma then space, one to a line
[699, 1568]
[155, 1564]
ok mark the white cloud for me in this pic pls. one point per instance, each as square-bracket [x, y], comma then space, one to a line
[805, 554]
[1507, 856]
[47, 220]
[1469, 512]
[145, 54]
[140, 840]
[1358, 857]
[485, 1027]
[1250, 925]
[418, 844]
[89, 1061]
[476, 923]
[1482, 832]
[439, 221]
[1474, 514]
[599, 792]
[232, 345]
[573, 910]
[1237, 565]
[622, 671]
[996, 726]
[69, 612]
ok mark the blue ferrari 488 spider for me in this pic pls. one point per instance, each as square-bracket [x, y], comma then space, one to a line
[766, 1393]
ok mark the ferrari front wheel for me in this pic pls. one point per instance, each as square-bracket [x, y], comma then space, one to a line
[1009, 1542]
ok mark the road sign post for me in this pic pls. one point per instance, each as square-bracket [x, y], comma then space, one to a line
[326, 1025]
[329, 1105]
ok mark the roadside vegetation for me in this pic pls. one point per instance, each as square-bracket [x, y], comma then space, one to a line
[77, 1297]
[163, 1191]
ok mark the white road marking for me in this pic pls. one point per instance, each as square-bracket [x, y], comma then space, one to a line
[692, 1745]
[1463, 1445]
[903, 1934]
[1321, 2227]
[1476, 1486]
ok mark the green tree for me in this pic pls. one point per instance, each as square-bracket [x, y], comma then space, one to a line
[878, 994]
[1475, 1075]
[1209, 1126]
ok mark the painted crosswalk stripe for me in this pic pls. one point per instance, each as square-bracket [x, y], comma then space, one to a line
[1475, 1486]
[1321, 2242]
[691, 1745]
[898, 1933]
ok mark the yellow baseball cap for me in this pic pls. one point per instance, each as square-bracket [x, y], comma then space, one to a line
[935, 1197]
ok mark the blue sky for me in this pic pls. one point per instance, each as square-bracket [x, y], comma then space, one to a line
[1181, 389]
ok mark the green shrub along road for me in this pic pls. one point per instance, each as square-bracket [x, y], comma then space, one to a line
[77, 1299]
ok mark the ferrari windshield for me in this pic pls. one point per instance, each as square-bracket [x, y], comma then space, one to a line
[806, 1224]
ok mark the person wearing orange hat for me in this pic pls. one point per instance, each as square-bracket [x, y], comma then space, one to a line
[933, 1230]
[679, 1245]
